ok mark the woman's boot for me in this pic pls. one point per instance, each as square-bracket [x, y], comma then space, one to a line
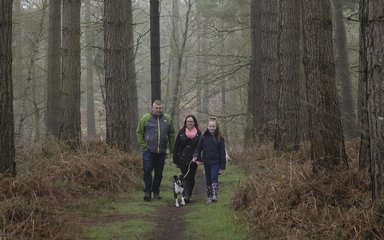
[209, 194]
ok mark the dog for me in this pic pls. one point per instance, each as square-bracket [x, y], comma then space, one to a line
[178, 190]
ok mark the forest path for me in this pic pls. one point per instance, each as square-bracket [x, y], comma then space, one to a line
[171, 222]
[129, 217]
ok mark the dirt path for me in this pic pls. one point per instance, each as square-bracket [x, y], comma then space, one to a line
[171, 220]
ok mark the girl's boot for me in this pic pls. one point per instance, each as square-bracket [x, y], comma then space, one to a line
[215, 191]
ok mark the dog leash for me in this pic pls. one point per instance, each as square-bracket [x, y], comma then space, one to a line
[189, 168]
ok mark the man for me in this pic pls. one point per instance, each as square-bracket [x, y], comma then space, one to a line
[154, 132]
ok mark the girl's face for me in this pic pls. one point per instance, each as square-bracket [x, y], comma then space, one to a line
[190, 123]
[212, 127]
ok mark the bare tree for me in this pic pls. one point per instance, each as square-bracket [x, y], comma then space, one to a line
[374, 36]
[179, 57]
[326, 134]
[89, 38]
[70, 128]
[203, 12]
[28, 96]
[7, 142]
[343, 75]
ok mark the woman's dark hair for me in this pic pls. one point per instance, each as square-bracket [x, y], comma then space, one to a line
[194, 120]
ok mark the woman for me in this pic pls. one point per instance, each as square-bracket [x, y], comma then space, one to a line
[212, 146]
[185, 145]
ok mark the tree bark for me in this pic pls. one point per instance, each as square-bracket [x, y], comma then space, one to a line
[288, 135]
[364, 157]
[131, 72]
[7, 142]
[268, 69]
[326, 134]
[254, 113]
[70, 128]
[155, 50]
[375, 94]
[54, 73]
[116, 82]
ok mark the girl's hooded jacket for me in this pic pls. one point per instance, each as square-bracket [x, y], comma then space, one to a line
[211, 148]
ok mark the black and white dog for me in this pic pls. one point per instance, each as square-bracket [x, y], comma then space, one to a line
[178, 190]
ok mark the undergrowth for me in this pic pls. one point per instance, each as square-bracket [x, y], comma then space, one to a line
[283, 199]
[51, 180]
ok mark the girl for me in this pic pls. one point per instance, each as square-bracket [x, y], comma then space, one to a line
[212, 147]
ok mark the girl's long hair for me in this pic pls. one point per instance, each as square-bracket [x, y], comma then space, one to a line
[217, 132]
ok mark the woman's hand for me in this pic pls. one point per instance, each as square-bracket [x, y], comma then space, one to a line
[194, 159]
[198, 163]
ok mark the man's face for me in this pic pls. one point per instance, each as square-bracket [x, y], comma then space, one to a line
[157, 109]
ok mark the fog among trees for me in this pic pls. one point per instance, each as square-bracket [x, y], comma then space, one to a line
[272, 71]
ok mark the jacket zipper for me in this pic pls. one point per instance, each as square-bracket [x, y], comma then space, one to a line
[158, 135]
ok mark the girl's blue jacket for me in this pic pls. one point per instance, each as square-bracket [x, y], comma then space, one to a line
[211, 148]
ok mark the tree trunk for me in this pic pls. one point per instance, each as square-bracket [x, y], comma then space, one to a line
[89, 53]
[18, 81]
[288, 135]
[155, 50]
[326, 134]
[375, 96]
[254, 113]
[116, 80]
[268, 67]
[174, 56]
[7, 142]
[364, 157]
[343, 75]
[70, 128]
[54, 76]
[131, 72]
